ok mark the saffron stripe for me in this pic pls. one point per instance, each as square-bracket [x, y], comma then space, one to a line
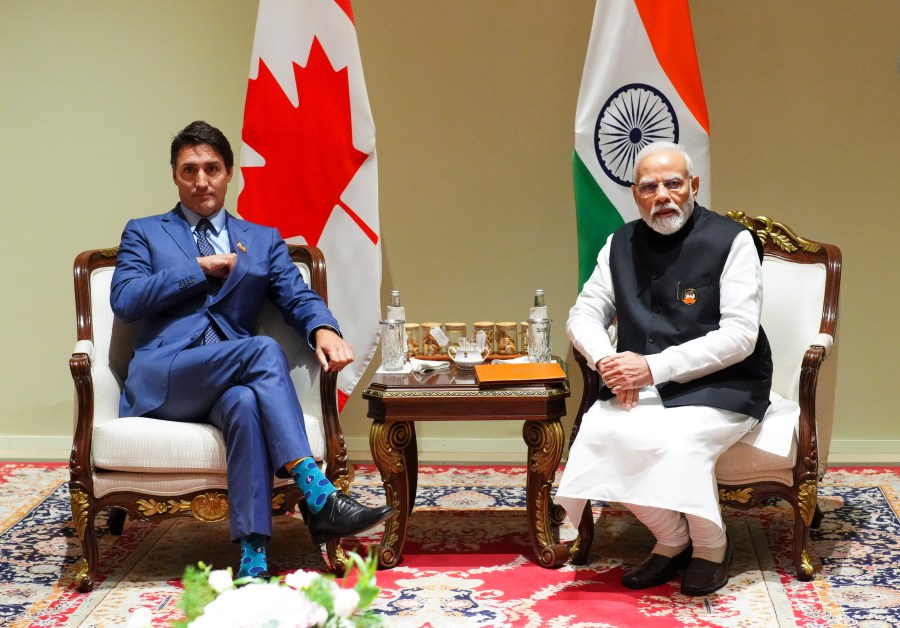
[668, 26]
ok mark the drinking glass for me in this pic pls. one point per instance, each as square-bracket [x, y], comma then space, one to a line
[539, 340]
[393, 350]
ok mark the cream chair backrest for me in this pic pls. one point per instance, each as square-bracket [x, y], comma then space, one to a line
[792, 313]
[114, 346]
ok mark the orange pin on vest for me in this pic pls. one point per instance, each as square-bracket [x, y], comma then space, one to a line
[689, 296]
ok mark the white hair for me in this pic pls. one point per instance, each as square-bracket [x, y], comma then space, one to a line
[655, 147]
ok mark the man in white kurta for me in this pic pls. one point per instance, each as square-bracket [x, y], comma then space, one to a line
[676, 404]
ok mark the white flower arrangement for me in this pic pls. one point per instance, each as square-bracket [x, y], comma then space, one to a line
[302, 599]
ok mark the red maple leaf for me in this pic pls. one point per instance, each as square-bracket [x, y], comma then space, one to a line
[308, 150]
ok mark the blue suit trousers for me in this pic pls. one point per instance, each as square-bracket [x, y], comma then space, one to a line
[244, 388]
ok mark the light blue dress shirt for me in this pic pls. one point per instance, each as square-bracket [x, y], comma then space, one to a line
[218, 235]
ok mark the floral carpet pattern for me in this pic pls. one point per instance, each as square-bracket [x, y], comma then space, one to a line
[468, 560]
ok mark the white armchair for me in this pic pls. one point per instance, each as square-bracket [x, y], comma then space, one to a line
[802, 282]
[148, 468]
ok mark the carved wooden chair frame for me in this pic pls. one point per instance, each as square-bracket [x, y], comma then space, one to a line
[778, 241]
[203, 505]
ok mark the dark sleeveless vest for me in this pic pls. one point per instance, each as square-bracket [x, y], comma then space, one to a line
[667, 292]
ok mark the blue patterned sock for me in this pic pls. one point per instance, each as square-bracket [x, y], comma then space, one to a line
[253, 555]
[315, 486]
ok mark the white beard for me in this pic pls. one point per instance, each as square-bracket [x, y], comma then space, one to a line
[668, 226]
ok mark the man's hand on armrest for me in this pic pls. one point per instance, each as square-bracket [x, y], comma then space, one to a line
[333, 352]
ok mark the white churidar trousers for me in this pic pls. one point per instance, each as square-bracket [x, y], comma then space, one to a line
[650, 456]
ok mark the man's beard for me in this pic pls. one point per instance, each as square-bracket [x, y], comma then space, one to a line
[671, 224]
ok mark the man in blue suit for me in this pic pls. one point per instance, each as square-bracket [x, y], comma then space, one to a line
[196, 278]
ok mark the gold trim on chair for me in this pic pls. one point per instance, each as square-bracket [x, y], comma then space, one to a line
[205, 507]
[738, 496]
[780, 234]
[83, 572]
[808, 499]
[210, 507]
[80, 502]
[806, 564]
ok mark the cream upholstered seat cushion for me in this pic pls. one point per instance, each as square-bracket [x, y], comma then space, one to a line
[106, 482]
[144, 445]
[139, 444]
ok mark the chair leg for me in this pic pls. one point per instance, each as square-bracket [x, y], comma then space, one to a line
[116, 521]
[83, 516]
[581, 547]
[336, 557]
[817, 518]
[802, 560]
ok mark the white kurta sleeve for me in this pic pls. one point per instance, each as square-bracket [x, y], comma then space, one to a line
[594, 310]
[740, 304]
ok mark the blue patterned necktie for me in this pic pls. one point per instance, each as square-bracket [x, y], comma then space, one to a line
[210, 334]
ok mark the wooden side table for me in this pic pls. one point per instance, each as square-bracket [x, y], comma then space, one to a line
[398, 400]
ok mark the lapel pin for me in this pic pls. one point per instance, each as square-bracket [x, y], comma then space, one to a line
[689, 296]
[241, 246]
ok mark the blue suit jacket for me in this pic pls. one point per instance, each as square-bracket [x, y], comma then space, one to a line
[158, 281]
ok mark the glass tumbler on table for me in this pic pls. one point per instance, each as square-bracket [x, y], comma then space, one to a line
[539, 340]
[393, 346]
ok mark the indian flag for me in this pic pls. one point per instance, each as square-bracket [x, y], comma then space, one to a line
[641, 84]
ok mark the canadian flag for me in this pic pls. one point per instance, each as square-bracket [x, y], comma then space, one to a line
[308, 164]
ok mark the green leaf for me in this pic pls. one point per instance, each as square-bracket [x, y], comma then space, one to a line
[197, 592]
[365, 580]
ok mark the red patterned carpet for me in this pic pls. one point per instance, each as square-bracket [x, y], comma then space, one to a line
[468, 561]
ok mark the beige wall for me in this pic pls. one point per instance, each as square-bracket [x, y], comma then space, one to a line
[474, 105]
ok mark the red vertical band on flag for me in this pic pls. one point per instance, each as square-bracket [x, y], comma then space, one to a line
[309, 166]
[668, 25]
[345, 7]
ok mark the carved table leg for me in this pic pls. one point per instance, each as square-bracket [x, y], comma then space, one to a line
[412, 466]
[545, 444]
[390, 443]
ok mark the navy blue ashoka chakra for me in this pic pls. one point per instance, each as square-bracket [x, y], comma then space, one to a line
[634, 116]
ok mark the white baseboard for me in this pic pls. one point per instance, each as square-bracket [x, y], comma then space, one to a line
[450, 450]
[864, 452]
[35, 448]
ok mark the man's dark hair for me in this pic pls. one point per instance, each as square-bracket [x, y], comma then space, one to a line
[200, 132]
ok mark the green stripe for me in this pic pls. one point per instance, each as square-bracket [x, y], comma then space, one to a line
[596, 217]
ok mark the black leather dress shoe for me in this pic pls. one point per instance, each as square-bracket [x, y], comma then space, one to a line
[704, 576]
[343, 516]
[656, 570]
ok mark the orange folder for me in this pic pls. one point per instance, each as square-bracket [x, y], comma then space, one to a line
[495, 374]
